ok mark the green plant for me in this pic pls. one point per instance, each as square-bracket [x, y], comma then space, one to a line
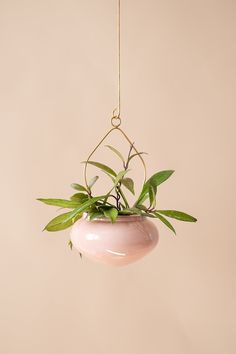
[114, 202]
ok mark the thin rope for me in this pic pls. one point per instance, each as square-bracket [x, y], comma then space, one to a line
[117, 110]
[119, 105]
[116, 120]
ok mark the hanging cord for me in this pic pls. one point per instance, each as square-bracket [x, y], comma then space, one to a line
[116, 120]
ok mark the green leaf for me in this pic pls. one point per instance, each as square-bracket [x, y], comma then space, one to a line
[116, 152]
[179, 215]
[130, 211]
[112, 178]
[160, 177]
[155, 181]
[118, 178]
[111, 213]
[96, 215]
[120, 175]
[83, 207]
[62, 222]
[141, 207]
[128, 183]
[102, 167]
[70, 244]
[79, 197]
[149, 215]
[152, 196]
[79, 187]
[65, 220]
[136, 154]
[93, 181]
[166, 222]
[60, 202]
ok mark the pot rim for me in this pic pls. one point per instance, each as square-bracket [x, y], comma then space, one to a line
[120, 218]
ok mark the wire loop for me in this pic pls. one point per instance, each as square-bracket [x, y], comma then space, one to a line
[116, 121]
[101, 141]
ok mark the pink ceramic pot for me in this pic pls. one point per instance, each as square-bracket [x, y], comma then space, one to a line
[127, 240]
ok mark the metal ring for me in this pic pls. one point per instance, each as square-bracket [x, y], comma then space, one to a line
[116, 121]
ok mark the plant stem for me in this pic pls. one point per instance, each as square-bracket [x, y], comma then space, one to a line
[127, 162]
[124, 198]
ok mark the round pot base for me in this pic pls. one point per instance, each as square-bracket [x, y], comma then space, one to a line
[127, 240]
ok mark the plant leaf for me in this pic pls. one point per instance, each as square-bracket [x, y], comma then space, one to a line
[152, 196]
[166, 222]
[96, 215]
[79, 187]
[83, 207]
[179, 215]
[130, 211]
[112, 178]
[117, 180]
[116, 152]
[141, 207]
[120, 175]
[102, 167]
[62, 222]
[136, 154]
[155, 181]
[149, 215]
[111, 213]
[70, 244]
[128, 183]
[93, 181]
[79, 197]
[160, 177]
[60, 202]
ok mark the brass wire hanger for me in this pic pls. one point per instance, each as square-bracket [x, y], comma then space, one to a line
[116, 114]
[118, 108]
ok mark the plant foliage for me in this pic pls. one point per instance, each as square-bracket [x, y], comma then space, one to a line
[115, 202]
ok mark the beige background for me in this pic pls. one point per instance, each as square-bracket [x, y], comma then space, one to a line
[57, 90]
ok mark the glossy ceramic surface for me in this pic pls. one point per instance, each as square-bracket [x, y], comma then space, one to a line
[127, 240]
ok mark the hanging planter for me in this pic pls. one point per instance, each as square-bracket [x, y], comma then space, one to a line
[109, 228]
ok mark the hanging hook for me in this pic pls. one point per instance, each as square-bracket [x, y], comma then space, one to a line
[115, 120]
